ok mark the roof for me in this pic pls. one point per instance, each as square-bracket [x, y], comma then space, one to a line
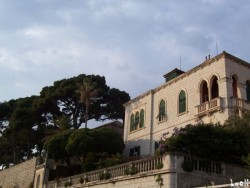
[224, 54]
[114, 124]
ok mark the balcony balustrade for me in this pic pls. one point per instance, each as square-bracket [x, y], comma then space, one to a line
[209, 106]
[240, 103]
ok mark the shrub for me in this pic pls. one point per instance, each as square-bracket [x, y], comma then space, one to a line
[188, 166]
[104, 176]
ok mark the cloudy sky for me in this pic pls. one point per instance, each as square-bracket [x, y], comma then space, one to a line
[130, 42]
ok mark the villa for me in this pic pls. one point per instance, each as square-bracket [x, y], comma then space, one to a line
[208, 93]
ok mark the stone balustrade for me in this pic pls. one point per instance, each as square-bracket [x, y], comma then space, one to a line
[136, 167]
[240, 103]
[155, 171]
[209, 106]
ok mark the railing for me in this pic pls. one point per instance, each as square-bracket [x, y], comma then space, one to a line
[240, 103]
[139, 166]
[204, 165]
[209, 106]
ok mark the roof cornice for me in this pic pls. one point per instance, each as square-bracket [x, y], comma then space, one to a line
[224, 54]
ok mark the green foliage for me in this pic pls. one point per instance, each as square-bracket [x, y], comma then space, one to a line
[159, 166]
[214, 142]
[104, 176]
[26, 123]
[89, 145]
[56, 145]
[246, 159]
[131, 170]
[159, 180]
[188, 166]
[67, 183]
[108, 141]
[81, 142]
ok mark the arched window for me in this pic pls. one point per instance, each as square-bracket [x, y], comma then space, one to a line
[137, 119]
[234, 87]
[141, 124]
[248, 90]
[204, 91]
[132, 122]
[214, 88]
[182, 102]
[162, 110]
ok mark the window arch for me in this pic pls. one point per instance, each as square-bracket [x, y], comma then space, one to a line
[132, 122]
[204, 91]
[248, 90]
[234, 86]
[137, 119]
[214, 88]
[141, 124]
[162, 110]
[182, 102]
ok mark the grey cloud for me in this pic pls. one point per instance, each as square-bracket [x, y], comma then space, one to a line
[131, 43]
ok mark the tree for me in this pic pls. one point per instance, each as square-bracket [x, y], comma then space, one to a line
[82, 143]
[88, 92]
[56, 145]
[114, 108]
[98, 100]
[209, 141]
[18, 120]
[26, 123]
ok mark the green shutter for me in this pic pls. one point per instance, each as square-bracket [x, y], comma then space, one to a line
[132, 122]
[182, 102]
[141, 118]
[162, 109]
[136, 120]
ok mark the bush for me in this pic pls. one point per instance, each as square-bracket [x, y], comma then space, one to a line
[159, 166]
[104, 175]
[188, 166]
[131, 170]
[67, 184]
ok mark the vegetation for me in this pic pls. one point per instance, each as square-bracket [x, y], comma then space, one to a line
[91, 147]
[230, 142]
[53, 116]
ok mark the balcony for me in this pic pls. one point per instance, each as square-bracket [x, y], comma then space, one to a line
[240, 103]
[208, 107]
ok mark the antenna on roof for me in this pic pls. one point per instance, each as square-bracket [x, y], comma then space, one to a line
[216, 48]
[180, 62]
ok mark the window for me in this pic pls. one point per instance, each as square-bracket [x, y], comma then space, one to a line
[248, 91]
[137, 120]
[234, 86]
[204, 91]
[132, 122]
[215, 87]
[182, 102]
[141, 118]
[162, 110]
[135, 151]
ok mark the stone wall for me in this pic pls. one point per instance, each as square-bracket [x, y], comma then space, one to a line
[171, 175]
[18, 176]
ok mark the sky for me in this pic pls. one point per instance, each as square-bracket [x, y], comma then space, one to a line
[133, 43]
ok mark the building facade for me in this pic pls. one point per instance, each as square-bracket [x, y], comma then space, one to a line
[208, 93]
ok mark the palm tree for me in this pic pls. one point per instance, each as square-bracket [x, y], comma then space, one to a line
[88, 92]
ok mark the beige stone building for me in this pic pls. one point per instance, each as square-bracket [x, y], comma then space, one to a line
[208, 93]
